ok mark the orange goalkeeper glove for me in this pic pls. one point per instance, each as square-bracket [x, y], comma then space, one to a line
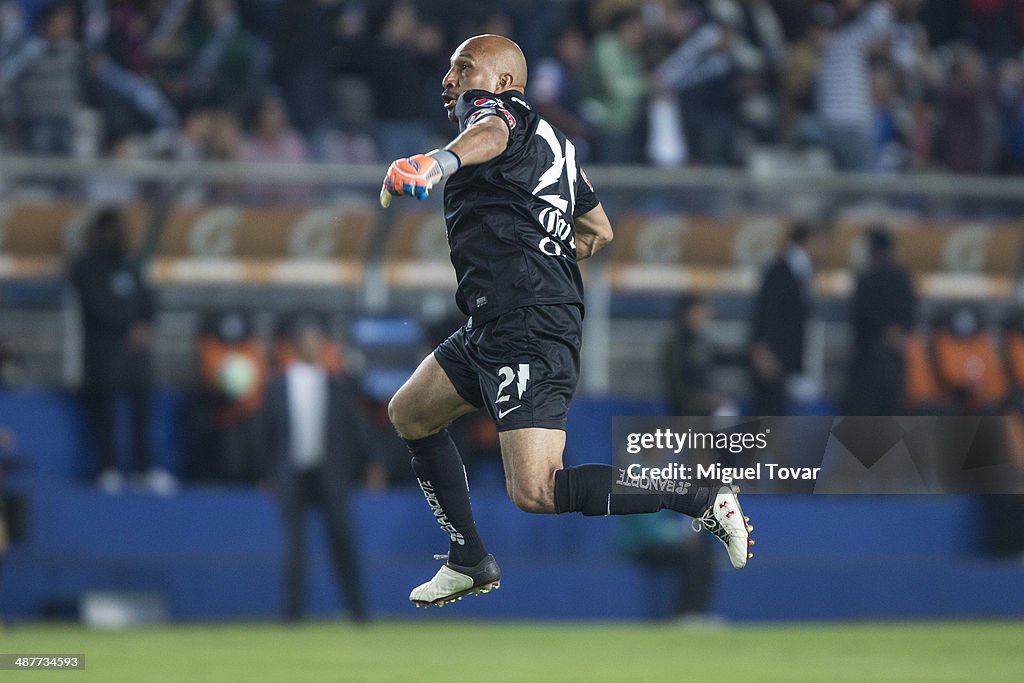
[415, 175]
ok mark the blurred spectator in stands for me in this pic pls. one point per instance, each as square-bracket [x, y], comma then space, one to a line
[781, 309]
[882, 313]
[129, 103]
[271, 138]
[13, 37]
[405, 68]
[228, 63]
[844, 86]
[799, 76]
[317, 441]
[887, 132]
[130, 25]
[303, 39]
[968, 136]
[13, 31]
[1010, 103]
[555, 89]
[44, 81]
[757, 45]
[117, 315]
[995, 26]
[689, 362]
[617, 85]
[704, 72]
[227, 430]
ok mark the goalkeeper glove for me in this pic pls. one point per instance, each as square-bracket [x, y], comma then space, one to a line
[415, 175]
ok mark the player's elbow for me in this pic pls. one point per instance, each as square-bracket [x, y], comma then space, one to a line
[535, 499]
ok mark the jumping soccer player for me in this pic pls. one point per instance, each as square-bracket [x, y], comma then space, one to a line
[520, 213]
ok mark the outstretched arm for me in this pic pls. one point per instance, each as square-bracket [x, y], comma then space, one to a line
[416, 175]
[593, 232]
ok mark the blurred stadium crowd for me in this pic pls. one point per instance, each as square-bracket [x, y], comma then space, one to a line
[892, 85]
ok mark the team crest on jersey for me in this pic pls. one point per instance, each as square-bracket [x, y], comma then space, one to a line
[485, 102]
[508, 117]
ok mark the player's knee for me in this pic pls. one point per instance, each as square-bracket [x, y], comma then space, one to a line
[403, 417]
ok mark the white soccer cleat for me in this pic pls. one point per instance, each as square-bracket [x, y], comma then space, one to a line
[724, 518]
[452, 582]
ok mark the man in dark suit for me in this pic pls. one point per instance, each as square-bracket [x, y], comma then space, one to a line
[883, 312]
[117, 313]
[317, 441]
[783, 305]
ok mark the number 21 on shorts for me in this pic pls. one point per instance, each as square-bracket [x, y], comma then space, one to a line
[508, 376]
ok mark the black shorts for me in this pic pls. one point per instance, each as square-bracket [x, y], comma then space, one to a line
[522, 367]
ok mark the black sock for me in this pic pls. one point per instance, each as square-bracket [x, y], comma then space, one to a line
[442, 477]
[588, 489]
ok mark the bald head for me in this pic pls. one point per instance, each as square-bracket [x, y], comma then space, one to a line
[499, 55]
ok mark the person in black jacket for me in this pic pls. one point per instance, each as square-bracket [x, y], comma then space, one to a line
[117, 315]
[318, 442]
[689, 361]
[883, 311]
[783, 305]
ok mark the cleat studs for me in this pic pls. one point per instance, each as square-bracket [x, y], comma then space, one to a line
[750, 555]
[750, 527]
[750, 542]
[746, 519]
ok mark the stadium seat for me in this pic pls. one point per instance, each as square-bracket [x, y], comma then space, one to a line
[671, 253]
[38, 238]
[282, 245]
[416, 253]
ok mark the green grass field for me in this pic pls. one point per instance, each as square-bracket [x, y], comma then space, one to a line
[529, 651]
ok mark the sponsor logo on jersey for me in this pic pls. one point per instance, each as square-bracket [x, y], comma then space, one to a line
[485, 102]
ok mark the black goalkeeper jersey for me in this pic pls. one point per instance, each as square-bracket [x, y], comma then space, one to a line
[510, 220]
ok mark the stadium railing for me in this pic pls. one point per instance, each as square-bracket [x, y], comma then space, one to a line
[210, 239]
